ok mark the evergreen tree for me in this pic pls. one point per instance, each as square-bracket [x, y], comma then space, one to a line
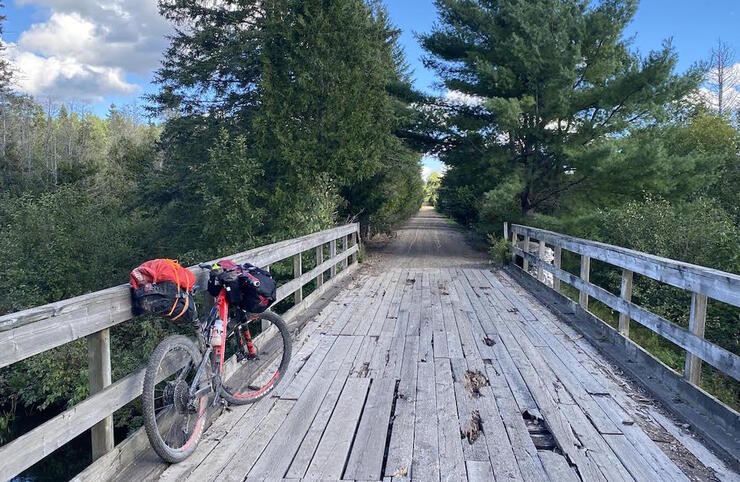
[326, 123]
[549, 84]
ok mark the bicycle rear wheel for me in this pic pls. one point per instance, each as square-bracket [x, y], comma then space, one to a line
[256, 374]
[174, 419]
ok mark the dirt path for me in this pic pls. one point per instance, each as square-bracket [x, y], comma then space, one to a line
[428, 240]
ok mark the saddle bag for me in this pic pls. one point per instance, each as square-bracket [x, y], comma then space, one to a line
[164, 288]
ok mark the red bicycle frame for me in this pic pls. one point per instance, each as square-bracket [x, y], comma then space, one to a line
[245, 338]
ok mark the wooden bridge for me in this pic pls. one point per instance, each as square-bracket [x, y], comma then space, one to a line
[425, 363]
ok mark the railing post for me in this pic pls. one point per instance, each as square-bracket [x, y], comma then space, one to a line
[345, 246]
[355, 242]
[514, 243]
[98, 358]
[332, 255]
[697, 319]
[319, 260]
[626, 294]
[297, 272]
[506, 231]
[556, 262]
[525, 263]
[541, 258]
[585, 273]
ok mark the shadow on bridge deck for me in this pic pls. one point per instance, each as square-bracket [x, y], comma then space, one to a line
[429, 365]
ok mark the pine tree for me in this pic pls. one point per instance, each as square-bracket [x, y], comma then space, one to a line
[548, 84]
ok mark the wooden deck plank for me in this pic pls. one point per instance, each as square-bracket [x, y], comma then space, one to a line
[451, 461]
[363, 315]
[402, 287]
[426, 328]
[454, 345]
[381, 315]
[401, 446]
[557, 467]
[439, 333]
[305, 452]
[329, 459]
[425, 463]
[461, 308]
[382, 352]
[465, 404]
[498, 443]
[597, 449]
[479, 471]
[525, 453]
[280, 451]
[364, 293]
[366, 457]
[245, 451]
[414, 320]
[578, 364]
[296, 386]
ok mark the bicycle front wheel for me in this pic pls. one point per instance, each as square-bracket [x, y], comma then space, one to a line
[258, 370]
[173, 418]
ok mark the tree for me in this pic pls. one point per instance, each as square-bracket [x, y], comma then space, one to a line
[6, 69]
[723, 77]
[549, 83]
[326, 120]
[431, 188]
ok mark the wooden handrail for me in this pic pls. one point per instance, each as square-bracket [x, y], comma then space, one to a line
[713, 283]
[39, 329]
[702, 282]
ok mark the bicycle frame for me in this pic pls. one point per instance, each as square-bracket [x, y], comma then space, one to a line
[220, 311]
[244, 337]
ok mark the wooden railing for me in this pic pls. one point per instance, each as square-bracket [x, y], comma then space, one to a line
[703, 283]
[39, 329]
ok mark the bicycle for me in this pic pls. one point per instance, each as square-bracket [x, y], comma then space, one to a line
[181, 374]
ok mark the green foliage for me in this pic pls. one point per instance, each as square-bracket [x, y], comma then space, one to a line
[552, 82]
[500, 250]
[701, 232]
[431, 188]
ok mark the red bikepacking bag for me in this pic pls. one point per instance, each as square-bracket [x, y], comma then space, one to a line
[164, 288]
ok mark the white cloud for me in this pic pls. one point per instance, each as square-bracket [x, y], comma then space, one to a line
[425, 171]
[86, 49]
[731, 98]
[62, 78]
[457, 97]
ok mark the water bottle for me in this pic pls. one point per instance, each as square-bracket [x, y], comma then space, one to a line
[217, 333]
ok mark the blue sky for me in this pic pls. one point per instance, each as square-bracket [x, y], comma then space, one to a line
[94, 52]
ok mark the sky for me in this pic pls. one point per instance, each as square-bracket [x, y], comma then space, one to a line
[98, 52]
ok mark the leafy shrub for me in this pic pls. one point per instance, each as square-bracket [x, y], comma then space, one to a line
[500, 250]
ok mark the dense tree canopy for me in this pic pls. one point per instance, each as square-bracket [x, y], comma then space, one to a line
[551, 81]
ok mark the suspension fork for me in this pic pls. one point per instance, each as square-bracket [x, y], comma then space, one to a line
[223, 312]
[245, 337]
